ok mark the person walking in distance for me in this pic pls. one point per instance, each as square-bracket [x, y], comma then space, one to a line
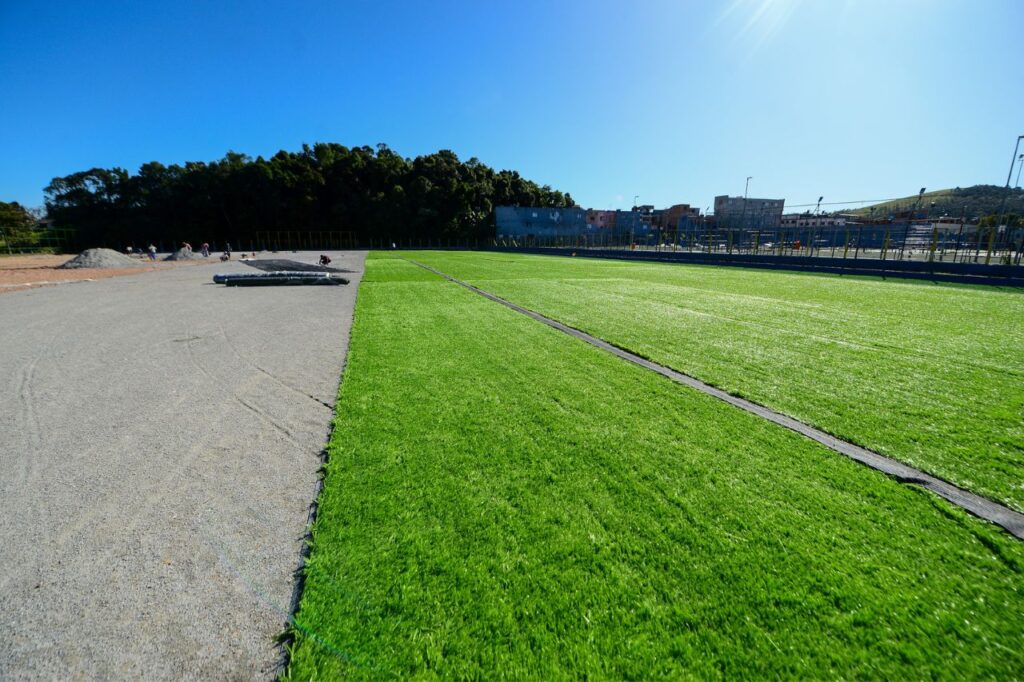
[205, 249]
[152, 252]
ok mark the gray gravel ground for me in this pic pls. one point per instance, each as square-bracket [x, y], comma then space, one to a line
[159, 447]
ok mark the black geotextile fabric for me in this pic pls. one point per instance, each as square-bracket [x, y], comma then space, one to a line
[278, 264]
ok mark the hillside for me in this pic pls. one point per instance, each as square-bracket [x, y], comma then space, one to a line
[979, 200]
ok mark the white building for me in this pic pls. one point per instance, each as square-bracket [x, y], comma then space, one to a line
[791, 220]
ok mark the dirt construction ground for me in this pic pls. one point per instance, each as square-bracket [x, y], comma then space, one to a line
[21, 272]
[159, 447]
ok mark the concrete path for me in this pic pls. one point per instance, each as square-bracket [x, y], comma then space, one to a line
[159, 447]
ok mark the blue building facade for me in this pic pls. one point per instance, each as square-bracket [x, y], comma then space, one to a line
[528, 221]
[532, 221]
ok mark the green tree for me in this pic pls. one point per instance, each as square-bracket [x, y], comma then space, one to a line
[374, 193]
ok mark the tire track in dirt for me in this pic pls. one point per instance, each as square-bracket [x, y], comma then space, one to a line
[257, 411]
[256, 366]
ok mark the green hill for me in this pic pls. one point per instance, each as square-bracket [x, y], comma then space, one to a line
[976, 201]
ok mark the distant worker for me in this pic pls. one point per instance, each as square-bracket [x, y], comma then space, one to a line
[152, 252]
[128, 250]
[225, 256]
[186, 247]
[325, 259]
[205, 249]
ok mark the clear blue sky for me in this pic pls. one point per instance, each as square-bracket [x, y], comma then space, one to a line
[675, 101]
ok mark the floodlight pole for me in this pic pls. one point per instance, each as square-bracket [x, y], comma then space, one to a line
[959, 236]
[817, 219]
[1006, 190]
[1013, 159]
[906, 230]
[743, 215]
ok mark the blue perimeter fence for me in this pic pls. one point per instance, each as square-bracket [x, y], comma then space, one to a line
[880, 241]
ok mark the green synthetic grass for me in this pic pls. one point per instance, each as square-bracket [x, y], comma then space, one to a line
[932, 375]
[504, 501]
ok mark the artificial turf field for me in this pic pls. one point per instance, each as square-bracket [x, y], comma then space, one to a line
[502, 500]
[929, 374]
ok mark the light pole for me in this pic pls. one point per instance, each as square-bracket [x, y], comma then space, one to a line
[910, 220]
[1013, 160]
[743, 215]
[814, 224]
[1020, 166]
[960, 234]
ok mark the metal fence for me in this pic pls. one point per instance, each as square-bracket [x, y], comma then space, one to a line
[880, 241]
[50, 240]
[300, 241]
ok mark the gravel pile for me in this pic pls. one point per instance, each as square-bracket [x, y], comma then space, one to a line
[101, 258]
[183, 254]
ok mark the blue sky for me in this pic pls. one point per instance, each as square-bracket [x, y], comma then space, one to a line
[673, 101]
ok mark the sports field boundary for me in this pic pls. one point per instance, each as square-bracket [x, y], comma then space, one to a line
[286, 638]
[1012, 521]
[932, 271]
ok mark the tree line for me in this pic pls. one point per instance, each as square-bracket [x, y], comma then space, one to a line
[369, 194]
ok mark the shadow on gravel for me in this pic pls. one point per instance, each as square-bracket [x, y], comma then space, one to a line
[279, 264]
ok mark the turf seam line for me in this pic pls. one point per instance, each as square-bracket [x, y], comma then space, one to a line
[1012, 521]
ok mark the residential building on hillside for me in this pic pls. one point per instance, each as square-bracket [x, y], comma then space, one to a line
[630, 221]
[748, 212]
[674, 216]
[522, 221]
[812, 220]
[601, 219]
